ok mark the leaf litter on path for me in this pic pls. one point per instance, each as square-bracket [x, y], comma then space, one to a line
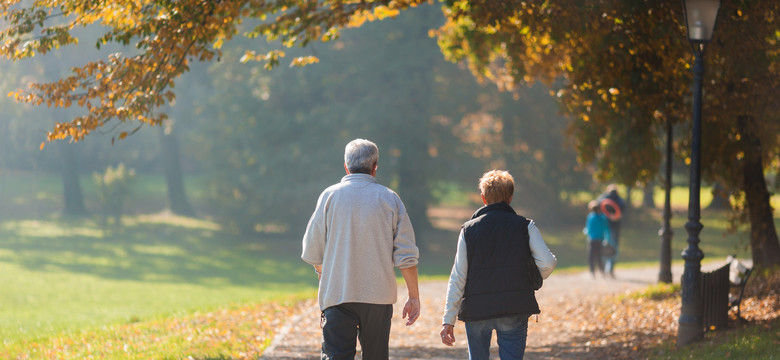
[582, 318]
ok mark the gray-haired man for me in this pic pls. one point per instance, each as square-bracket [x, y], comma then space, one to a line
[358, 233]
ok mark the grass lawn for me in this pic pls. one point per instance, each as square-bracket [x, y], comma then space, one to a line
[173, 287]
[165, 286]
[640, 242]
[61, 277]
[759, 341]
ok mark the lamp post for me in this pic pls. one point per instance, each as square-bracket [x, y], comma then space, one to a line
[665, 273]
[700, 16]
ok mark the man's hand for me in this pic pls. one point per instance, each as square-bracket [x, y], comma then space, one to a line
[412, 310]
[447, 334]
[412, 306]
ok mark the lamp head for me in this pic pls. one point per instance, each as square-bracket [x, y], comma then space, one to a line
[700, 17]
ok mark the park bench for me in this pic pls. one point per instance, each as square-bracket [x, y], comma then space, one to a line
[723, 289]
[738, 278]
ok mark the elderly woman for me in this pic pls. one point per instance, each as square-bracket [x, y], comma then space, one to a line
[490, 287]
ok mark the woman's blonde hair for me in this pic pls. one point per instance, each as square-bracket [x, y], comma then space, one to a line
[497, 186]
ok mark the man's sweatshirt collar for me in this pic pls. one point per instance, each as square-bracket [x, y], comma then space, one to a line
[358, 177]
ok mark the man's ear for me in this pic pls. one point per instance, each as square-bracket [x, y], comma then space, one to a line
[346, 169]
[483, 199]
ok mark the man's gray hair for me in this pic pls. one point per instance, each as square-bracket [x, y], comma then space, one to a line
[360, 156]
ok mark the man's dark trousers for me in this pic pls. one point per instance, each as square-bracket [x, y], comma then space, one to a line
[344, 323]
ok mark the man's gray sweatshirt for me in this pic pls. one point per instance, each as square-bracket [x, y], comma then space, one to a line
[359, 232]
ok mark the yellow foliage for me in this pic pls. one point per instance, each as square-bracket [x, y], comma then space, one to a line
[378, 13]
[304, 60]
[167, 35]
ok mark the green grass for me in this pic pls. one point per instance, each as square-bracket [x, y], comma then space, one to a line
[754, 341]
[31, 195]
[164, 286]
[654, 292]
[65, 283]
[640, 241]
[63, 276]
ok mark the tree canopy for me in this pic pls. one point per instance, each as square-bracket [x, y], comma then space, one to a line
[625, 70]
[164, 38]
[622, 71]
[262, 134]
[619, 68]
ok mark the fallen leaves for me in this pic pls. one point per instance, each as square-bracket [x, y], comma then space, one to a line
[591, 326]
[241, 332]
[629, 328]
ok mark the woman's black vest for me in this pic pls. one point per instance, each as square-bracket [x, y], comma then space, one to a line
[497, 248]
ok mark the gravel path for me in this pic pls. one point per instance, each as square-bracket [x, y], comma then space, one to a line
[562, 294]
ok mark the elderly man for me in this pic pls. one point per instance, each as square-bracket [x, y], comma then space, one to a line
[490, 287]
[358, 233]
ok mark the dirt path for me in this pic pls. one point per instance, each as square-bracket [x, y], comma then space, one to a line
[562, 297]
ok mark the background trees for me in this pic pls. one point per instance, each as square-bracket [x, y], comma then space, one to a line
[271, 140]
[619, 69]
[164, 37]
[268, 141]
[624, 70]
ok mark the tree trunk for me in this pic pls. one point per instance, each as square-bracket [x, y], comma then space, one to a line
[626, 217]
[647, 196]
[629, 202]
[413, 171]
[764, 244]
[71, 188]
[720, 199]
[171, 163]
[413, 187]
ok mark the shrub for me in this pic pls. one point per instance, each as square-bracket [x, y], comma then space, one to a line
[113, 187]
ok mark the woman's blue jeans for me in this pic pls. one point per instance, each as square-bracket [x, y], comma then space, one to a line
[511, 334]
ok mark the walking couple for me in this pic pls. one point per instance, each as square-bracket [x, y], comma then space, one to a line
[360, 231]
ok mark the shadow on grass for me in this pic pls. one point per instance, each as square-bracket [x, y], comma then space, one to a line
[195, 251]
[164, 252]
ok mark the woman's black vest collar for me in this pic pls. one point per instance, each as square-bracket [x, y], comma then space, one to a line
[498, 206]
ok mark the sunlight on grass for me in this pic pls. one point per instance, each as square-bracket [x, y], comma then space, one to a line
[158, 249]
[453, 194]
[640, 241]
[39, 228]
[239, 331]
[167, 286]
[577, 198]
[41, 195]
[41, 304]
[654, 292]
[61, 277]
[167, 218]
[679, 197]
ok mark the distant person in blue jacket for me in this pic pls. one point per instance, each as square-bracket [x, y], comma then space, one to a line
[597, 230]
[613, 207]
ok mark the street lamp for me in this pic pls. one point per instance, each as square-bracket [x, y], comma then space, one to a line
[700, 16]
[665, 274]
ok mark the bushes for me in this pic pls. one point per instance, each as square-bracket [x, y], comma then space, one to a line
[113, 187]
